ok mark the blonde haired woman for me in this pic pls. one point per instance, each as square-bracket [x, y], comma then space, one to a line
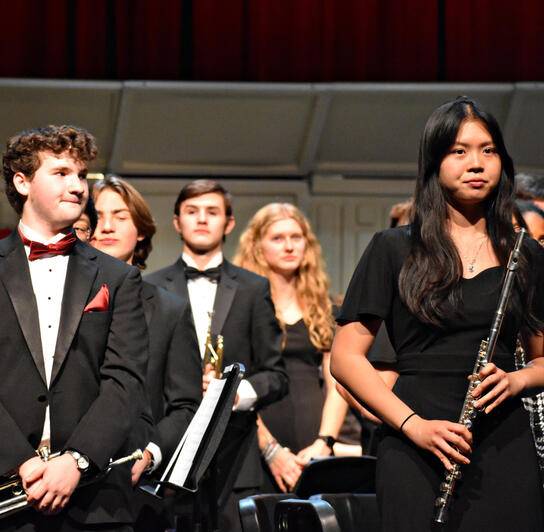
[279, 244]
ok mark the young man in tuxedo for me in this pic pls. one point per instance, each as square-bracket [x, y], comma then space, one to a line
[241, 310]
[174, 373]
[74, 343]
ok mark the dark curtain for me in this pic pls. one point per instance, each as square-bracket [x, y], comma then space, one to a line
[314, 40]
[494, 40]
[273, 40]
[33, 39]
[148, 39]
[90, 39]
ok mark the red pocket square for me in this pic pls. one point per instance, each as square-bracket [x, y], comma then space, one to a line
[100, 302]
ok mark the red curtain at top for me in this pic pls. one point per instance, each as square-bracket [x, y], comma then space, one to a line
[494, 40]
[33, 39]
[90, 39]
[272, 40]
[219, 38]
[148, 39]
[315, 40]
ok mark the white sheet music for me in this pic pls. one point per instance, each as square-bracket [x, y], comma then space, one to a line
[178, 468]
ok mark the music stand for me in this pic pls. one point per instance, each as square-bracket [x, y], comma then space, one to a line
[201, 440]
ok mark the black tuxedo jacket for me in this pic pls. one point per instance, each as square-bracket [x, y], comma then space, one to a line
[244, 314]
[174, 371]
[96, 389]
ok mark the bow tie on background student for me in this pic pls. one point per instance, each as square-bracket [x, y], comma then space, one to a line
[37, 249]
[213, 274]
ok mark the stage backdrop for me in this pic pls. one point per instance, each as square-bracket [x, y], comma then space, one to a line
[274, 40]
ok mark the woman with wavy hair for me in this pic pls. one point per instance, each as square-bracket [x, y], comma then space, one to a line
[436, 283]
[279, 244]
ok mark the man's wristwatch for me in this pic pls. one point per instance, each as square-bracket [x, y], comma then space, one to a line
[329, 440]
[82, 461]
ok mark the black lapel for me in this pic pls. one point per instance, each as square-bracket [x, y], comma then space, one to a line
[80, 275]
[176, 283]
[224, 296]
[175, 280]
[148, 295]
[15, 275]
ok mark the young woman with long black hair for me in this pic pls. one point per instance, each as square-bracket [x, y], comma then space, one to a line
[436, 284]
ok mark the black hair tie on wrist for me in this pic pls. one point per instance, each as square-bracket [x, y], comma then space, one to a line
[402, 424]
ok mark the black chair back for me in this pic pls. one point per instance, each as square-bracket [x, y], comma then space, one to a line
[257, 511]
[296, 515]
[337, 474]
[355, 512]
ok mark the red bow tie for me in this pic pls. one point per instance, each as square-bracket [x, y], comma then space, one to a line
[37, 250]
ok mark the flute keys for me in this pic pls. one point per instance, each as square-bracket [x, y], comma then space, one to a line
[453, 475]
[440, 501]
[470, 415]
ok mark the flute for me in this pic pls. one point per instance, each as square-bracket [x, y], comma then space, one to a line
[485, 354]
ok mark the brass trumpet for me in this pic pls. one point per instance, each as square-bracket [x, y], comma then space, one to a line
[213, 355]
[13, 497]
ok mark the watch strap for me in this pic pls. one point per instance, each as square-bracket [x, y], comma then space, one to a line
[82, 461]
[329, 440]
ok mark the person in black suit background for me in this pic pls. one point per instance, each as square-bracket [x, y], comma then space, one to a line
[174, 374]
[242, 312]
[74, 342]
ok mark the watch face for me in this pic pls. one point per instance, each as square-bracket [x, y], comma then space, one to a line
[83, 463]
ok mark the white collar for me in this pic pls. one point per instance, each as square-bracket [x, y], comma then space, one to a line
[31, 234]
[216, 260]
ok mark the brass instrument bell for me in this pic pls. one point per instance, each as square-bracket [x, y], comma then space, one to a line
[12, 494]
[13, 497]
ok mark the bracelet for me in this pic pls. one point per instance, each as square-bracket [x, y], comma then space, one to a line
[269, 444]
[402, 424]
[272, 454]
[269, 449]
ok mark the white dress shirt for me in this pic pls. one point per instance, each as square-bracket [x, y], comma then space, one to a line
[202, 292]
[48, 275]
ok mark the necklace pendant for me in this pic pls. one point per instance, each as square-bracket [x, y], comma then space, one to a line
[471, 267]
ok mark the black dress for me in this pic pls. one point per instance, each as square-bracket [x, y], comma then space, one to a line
[500, 488]
[295, 420]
